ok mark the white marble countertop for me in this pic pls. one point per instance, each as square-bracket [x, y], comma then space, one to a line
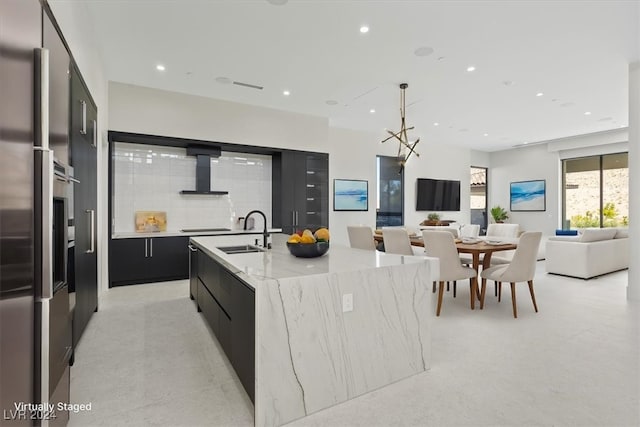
[278, 263]
[175, 233]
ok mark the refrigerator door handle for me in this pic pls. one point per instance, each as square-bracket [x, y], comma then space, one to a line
[83, 119]
[92, 231]
[44, 168]
[94, 144]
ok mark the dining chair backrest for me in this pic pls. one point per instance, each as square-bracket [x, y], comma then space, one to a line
[441, 245]
[470, 230]
[523, 265]
[396, 241]
[503, 230]
[361, 237]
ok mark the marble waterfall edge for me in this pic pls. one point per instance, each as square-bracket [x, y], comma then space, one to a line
[310, 355]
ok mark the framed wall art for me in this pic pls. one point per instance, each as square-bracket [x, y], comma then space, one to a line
[528, 196]
[350, 195]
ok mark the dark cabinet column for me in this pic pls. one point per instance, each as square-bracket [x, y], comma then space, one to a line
[300, 191]
[83, 159]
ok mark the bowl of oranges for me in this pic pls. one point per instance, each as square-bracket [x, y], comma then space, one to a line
[307, 244]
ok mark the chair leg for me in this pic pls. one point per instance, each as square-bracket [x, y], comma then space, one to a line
[513, 299]
[440, 292]
[434, 287]
[499, 286]
[447, 286]
[454, 288]
[484, 289]
[495, 288]
[533, 296]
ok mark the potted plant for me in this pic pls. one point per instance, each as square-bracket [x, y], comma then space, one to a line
[499, 214]
[432, 219]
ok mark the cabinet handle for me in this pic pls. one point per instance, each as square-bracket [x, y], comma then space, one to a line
[94, 144]
[192, 249]
[296, 217]
[146, 248]
[293, 218]
[75, 181]
[83, 119]
[92, 231]
[151, 247]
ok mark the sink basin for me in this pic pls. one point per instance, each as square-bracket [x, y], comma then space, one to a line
[244, 249]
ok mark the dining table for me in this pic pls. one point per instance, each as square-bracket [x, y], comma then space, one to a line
[475, 247]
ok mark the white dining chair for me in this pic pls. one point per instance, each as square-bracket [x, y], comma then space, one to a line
[522, 268]
[396, 241]
[503, 230]
[469, 230]
[441, 245]
[361, 237]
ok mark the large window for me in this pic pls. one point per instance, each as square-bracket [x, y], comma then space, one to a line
[390, 189]
[596, 191]
[478, 202]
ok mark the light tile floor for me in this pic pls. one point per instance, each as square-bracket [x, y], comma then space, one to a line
[147, 358]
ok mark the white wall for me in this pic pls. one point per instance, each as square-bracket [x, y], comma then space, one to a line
[525, 164]
[74, 21]
[156, 112]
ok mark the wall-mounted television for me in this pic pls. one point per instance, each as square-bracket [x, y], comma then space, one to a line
[437, 195]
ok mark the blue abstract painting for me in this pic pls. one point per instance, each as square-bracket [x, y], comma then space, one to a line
[350, 195]
[528, 195]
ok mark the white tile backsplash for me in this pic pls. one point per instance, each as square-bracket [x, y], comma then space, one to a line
[149, 177]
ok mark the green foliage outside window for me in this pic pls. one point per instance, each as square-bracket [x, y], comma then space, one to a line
[592, 219]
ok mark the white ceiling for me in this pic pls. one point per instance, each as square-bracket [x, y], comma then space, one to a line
[575, 52]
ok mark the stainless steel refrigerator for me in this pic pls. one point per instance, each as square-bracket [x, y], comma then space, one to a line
[35, 323]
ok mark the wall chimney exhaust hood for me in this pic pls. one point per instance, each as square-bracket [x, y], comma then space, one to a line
[203, 156]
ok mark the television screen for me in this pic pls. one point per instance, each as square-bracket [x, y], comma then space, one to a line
[437, 195]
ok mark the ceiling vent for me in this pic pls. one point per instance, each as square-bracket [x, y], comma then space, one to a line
[248, 85]
[203, 156]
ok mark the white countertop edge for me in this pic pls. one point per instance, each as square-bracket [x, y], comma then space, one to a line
[133, 235]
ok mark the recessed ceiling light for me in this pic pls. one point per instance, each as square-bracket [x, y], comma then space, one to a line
[286, 93]
[525, 142]
[223, 80]
[160, 67]
[364, 29]
[539, 94]
[372, 111]
[587, 113]
[471, 68]
[436, 124]
[423, 51]
[331, 102]
[486, 134]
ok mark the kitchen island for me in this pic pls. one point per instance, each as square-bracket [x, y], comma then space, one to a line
[305, 334]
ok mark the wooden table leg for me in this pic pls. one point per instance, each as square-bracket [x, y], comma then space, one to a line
[474, 282]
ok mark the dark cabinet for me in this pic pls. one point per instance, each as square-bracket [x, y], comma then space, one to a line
[83, 202]
[300, 191]
[228, 306]
[151, 259]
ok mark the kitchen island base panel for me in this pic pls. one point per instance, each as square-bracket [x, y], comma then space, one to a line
[310, 355]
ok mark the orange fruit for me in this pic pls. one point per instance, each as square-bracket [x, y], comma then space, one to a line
[294, 238]
[307, 239]
[322, 233]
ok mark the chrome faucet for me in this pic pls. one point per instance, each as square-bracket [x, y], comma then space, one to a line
[265, 234]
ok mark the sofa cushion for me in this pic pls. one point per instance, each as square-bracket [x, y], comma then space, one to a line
[597, 234]
[622, 233]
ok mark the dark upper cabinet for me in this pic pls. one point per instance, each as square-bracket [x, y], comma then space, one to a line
[145, 260]
[84, 202]
[300, 190]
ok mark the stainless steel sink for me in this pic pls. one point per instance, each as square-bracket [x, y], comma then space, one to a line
[244, 249]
